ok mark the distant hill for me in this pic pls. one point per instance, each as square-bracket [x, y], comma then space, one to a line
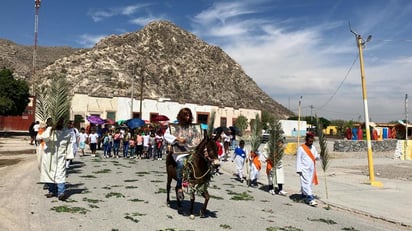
[175, 64]
[19, 58]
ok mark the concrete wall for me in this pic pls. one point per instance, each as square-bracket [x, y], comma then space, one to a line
[362, 146]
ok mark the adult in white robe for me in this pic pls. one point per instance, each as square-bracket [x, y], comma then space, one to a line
[306, 168]
[74, 140]
[53, 165]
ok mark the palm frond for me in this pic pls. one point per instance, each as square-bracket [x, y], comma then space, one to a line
[256, 134]
[59, 99]
[53, 101]
[324, 155]
[275, 136]
[42, 106]
[211, 123]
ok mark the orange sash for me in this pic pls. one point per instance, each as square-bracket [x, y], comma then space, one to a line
[256, 161]
[310, 154]
[41, 130]
[269, 166]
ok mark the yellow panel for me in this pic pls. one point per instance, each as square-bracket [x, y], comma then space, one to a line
[290, 148]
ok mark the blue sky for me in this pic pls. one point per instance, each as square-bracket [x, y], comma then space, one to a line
[291, 48]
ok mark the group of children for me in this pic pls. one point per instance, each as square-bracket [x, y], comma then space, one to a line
[305, 167]
[137, 146]
[241, 156]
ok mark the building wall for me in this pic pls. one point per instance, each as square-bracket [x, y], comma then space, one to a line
[330, 130]
[85, 105]
[21, 122]
[290, 127]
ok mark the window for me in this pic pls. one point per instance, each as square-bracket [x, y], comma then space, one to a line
[202, 118]
[111, 115]
[152, 115]
[223, 121]
[136, 115]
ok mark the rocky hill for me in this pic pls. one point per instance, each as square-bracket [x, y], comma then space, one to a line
[173, 63]
[19, 58]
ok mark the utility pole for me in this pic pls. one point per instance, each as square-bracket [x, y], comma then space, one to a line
[131, 94]
[36, 28]
[300, 102]
[360, 43]
[406, 127]
[311, 116]
[141, 93]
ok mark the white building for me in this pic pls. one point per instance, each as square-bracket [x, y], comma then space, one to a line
[291, 127]
[120, 108]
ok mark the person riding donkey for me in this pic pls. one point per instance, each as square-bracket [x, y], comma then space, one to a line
[182, 138]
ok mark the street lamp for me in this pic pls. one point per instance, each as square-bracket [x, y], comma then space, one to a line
[360, 42]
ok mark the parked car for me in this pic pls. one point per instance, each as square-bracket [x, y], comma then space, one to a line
[265, 138]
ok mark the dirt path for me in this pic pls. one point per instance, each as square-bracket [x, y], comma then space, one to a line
[19, 195]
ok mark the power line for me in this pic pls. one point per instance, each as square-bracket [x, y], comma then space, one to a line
[340, 85]
[393, 40]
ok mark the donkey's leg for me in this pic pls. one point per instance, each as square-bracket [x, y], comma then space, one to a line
[168, 183]
[179, 198]
[192, 202]
[204, 207]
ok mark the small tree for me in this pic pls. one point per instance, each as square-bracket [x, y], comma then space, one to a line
[14, 94]
[241, 123]
[266, 119]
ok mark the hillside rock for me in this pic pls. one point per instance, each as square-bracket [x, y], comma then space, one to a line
[173, 63]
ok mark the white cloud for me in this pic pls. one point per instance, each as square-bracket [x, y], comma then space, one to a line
[99, 15]
[222, 12]
[88, 40]
[317, 62]
[143, 21]
[293, 56]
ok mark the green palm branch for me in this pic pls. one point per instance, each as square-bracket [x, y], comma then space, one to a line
[42, 106]
[59, 99]
[53, 102]
[256, 134]
[275, 151]
[275, 136]
[324, 155]
[211, 123]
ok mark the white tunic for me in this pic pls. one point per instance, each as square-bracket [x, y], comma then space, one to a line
[306, 166]
[53, 166]
[74, 137]
[276, 172]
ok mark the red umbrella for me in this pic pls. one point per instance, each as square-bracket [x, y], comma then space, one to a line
[110, 121]
[160, 118]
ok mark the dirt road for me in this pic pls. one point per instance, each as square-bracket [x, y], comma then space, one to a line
[125, 194]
